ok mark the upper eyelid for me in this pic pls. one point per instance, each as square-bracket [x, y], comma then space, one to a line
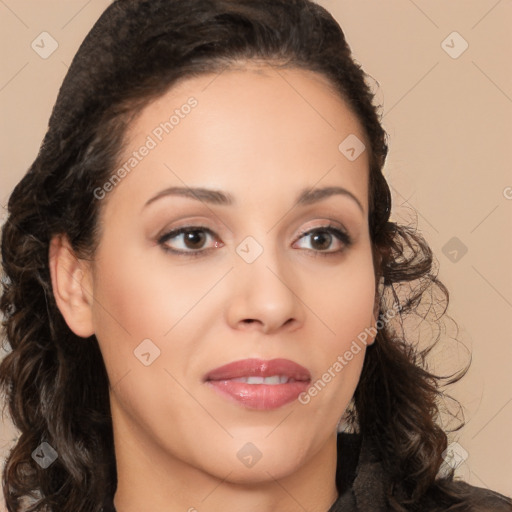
[199, 227]
[327, 225]
[180, 229]
[196, 224]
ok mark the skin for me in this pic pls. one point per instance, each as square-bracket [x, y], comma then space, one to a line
[262, 136]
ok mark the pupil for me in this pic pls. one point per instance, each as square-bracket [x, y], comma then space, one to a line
[194, 238]
[322, 236]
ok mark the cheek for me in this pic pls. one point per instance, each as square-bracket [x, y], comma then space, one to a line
[141, 295]
[136, 301]
[344, 300]
[344, 307]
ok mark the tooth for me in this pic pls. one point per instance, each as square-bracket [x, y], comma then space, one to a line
[275, 379]
[255, 380]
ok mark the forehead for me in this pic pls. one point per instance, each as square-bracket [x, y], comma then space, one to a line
[295, 94]
[257, 126]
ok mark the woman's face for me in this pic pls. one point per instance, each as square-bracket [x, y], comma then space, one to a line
[244, 281]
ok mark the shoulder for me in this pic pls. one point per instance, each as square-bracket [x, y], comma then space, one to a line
[468, 499]
[362, 480]
[481, 499]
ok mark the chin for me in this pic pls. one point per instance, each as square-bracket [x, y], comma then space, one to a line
[256, 461]
[260, 473]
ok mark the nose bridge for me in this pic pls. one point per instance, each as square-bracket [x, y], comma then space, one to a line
[264, 288]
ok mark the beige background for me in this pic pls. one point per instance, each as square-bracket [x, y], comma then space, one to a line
[449, 121]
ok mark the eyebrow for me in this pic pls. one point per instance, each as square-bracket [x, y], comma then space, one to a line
[217, 197]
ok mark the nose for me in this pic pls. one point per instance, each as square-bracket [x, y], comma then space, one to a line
[265, 296]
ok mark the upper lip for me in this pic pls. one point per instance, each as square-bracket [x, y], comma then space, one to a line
[259, 368]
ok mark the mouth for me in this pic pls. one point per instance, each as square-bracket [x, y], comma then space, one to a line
[259, 384]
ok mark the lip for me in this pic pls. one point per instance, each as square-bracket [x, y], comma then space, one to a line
[259, 396]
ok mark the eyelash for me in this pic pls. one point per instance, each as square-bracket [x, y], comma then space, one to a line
[341, 235]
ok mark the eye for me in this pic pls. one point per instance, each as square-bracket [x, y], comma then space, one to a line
[191, 240]
[322, 239]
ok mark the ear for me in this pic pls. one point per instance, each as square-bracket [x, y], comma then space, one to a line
[71, 283]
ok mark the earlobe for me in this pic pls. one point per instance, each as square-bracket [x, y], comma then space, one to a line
[71, 285]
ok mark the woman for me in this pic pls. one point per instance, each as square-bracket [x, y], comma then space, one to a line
[203, 285]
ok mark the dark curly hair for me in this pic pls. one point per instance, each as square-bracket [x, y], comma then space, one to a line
[56, 386]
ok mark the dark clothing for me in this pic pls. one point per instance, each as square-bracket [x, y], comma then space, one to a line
[360, 480]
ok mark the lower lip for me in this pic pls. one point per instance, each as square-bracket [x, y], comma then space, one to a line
[259, 396]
